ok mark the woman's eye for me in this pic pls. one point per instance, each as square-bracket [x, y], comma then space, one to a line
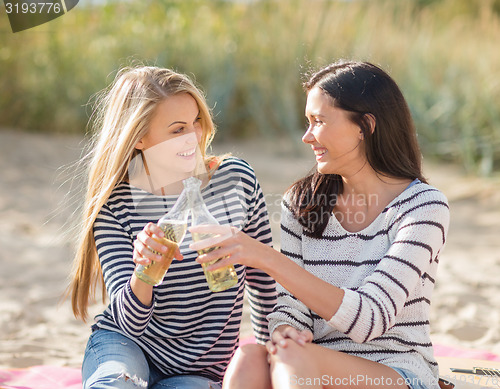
[179, 130]
[314, 123]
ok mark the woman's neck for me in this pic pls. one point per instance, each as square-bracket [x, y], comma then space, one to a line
[364, 197]
[175, 188]
[367, 181]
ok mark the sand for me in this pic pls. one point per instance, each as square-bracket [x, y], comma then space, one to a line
[35, 256]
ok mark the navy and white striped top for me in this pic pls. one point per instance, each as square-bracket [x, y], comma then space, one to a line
[387, 272]
[188, 329]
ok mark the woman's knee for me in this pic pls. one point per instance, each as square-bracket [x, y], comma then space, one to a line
[249, 357]
[114, 361]
[248, 368]
[291, 364]
[105, 377]
[252, 352]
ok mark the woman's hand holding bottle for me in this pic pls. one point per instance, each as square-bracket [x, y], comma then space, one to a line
[148, 240]
[148, 244]
[232, 246]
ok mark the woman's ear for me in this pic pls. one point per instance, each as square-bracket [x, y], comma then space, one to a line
[372, 122]
[140, 145]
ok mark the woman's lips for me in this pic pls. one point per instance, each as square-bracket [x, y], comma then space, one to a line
[187, 154]
[319, 152]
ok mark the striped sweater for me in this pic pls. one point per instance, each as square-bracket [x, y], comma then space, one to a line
[187, 329]
[387, 271]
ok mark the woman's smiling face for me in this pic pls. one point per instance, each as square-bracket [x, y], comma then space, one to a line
[175, 116]
[174, 134]
[334, 138]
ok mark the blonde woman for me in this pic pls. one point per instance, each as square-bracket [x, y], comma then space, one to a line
[177, 334]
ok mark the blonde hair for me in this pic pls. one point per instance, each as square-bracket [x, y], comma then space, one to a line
[122, 118]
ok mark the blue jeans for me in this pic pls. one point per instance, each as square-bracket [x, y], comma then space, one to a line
[114, 361]
[411, 379]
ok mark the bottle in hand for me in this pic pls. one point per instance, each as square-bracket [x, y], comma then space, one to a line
[220, 279]
[174, 226]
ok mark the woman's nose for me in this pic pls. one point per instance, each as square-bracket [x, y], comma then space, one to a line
[195, 134]
[199, 133]
[308, 137]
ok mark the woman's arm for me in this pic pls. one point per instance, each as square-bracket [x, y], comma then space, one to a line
[296, 297]
[131, 300]
[421, 232]
[147, 240]
[318, 295]
[418, 234]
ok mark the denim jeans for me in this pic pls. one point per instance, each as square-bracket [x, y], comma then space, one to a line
[411, 379]
[114, 361]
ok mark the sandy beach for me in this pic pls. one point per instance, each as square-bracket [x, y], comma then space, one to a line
[36, 256]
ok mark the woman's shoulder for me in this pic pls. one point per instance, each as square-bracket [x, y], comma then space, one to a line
[232, 162]
[422, 192]
[235, 166]
[421, 200]
[122, 195]
[234, 176]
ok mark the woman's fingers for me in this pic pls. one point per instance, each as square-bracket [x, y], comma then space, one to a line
[149, 245]
[138, 259]
[220, 262]
[282, 334]
[294, 334]
[224, 256]
[207, 243]
[154, 229]
[144, 255]
[216, 234]
[152, 237]
[155, 243]
[279, 339]
[271, 348]
[301, 337]
[178, 255]
[307, 336]
[143, 250]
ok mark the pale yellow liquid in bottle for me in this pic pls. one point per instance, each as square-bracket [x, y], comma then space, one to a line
[220, 279]
[153, 273]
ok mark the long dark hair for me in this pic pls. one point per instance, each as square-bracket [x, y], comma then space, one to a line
[392, 150]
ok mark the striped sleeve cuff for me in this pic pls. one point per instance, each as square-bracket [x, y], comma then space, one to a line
[347, 317]
[135, 315]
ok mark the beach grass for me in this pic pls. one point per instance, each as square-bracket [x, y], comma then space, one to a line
[251, 57]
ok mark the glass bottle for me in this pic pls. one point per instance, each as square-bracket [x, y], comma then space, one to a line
[174, 226]
[220, 279]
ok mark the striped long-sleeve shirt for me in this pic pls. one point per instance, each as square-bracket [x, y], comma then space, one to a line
[387, 272]
[187, 329]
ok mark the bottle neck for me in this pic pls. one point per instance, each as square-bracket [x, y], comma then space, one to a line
[199, 210]
[195, 200]
[180, 210]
